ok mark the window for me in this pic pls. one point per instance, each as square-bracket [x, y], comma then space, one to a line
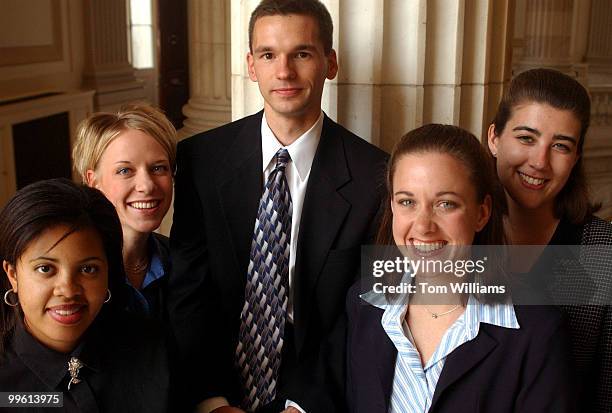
[141, 34]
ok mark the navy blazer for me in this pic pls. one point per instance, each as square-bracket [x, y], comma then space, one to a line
[501, 370]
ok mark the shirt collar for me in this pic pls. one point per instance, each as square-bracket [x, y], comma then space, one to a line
[301, 151]
[50, 366]
[498, 314]
[156, 268]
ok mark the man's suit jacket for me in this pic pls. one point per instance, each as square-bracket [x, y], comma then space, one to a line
[218, 187]
[501, 370]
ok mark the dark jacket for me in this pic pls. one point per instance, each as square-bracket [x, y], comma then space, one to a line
[501, 370]
[218, 188]
[126, 368]
[578, 277]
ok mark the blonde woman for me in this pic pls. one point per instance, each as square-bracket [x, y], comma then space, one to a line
[130, 156]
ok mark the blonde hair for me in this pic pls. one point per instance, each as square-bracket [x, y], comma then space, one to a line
[95, 133]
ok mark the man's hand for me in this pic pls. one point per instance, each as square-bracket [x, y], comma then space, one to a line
[228, 409]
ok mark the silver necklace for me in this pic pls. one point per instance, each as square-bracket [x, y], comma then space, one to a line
[436, 315]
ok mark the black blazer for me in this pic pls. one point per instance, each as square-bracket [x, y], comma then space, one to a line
[501, 370]
[218, 187]
[577, 279]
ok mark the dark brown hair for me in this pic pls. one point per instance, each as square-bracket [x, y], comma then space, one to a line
[47, 204]
[564, 93]
[312, 8]
[463, 146]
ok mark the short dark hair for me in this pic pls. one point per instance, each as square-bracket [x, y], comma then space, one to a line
[312, 8]
[562, 92]
[47, 204]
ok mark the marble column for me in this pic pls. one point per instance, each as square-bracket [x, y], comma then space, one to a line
[209, 104]
[246, 99]
[107, 66]
[210, 101]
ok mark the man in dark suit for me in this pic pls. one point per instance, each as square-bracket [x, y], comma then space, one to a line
[328, 184]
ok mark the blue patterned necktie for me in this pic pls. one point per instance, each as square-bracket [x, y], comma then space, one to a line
[262, 321]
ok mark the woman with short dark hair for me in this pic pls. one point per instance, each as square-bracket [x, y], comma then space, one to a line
[62, 322]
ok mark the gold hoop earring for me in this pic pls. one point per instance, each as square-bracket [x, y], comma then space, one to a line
[6, 301]
[109, 296]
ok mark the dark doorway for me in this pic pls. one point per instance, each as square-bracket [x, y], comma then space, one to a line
[42, 149]
[173, 59]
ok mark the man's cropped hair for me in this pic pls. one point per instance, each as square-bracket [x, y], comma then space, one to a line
[312, 8]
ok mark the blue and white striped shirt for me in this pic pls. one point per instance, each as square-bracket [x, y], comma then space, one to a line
[413, 384]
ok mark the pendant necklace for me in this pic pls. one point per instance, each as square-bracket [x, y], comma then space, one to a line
[436, 315]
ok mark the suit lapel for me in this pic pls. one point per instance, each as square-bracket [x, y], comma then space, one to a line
[240, 187]
[462, 360]
[387, 357]
[323, 212]
[376, 356]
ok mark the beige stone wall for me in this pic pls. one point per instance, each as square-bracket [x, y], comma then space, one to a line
[48, 60]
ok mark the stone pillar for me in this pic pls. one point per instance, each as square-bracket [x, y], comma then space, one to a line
[210, 101]
[246, 99]
[599, 61]
[553, 35]
[598, 146]
[599, 53]
[467, 61]
[209, 105]
[107, 66]
[547, 34]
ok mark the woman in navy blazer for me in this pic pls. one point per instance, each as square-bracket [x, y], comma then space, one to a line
[464, 352]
